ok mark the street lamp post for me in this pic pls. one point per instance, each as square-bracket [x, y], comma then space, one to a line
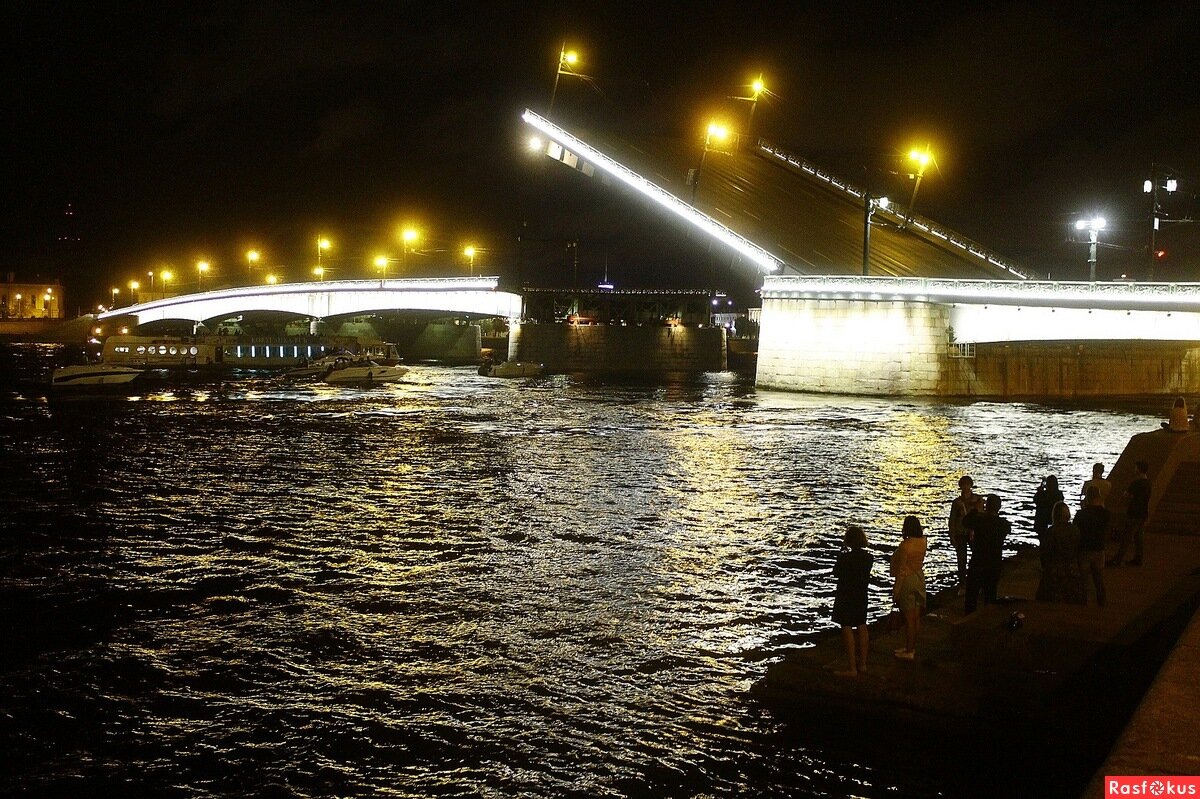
[252, 257]
[165, 277]
[408, 237]
[133, 290]
[567, 59]
[922, 158]
[870, 204]
[1093, 226]
[115, 291]
[1152, 186]
[151, 276]
[715, 132]
[201, 269]
[381, 263]
[469, 251]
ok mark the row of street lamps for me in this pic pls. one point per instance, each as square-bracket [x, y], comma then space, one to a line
[409, 238]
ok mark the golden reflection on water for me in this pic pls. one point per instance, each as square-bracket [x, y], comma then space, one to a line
[911, 459]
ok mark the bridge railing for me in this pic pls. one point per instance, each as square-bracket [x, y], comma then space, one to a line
[1116, 294]
[897, 212]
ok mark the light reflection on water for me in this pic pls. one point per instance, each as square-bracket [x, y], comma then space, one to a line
[459, 586]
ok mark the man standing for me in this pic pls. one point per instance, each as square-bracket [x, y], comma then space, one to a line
[1092, 521]
[986, 532]
[1099, 482]
[1136, 513]
[966, 502]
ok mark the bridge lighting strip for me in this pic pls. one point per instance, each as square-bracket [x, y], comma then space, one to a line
[756, 254]
[312, 287]
[1122, 296]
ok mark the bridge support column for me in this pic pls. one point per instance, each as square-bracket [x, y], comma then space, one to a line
[854, 346]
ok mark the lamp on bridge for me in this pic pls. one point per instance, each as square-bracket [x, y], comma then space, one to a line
[757, 89]
[272, 280]
[1152, 186]
[133, 290]
[202, 268]
[1093, 226]
[469, 251]
[165, 277]
[252, 257]
[716, 133]
[115, 291]
[922, 158]
[319, 271]
[567, 59]
[381, 263]
[408, 237]
[323, 244]
[870, 204]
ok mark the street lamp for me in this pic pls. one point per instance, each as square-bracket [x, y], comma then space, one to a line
[252, 257]
[133, 289]
[151, 276]
[323, 244]
[870, 205]
[272, 280]
[469, 251]
[409, 236]
[1093, 226]
[716, 132]
[115, 291]
[319, 271]
[1152, 186]
[165, 277]
[201, 269]
[923, 159]
[567, 59]
[381, 263]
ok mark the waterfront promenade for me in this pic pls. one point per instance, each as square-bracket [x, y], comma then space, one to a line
[1052, 694]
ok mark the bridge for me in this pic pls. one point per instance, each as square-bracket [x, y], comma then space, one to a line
[946, 318]
[477, 297]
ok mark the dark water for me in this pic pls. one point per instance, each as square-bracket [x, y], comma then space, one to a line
[457, 586]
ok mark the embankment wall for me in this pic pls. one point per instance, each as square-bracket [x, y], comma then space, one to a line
[619, 348]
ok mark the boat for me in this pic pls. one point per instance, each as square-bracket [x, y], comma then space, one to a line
[364, 373]
[318, 367]
[93, 374]
[512, 369]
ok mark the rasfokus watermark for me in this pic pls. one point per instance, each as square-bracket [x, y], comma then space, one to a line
[1156, 785]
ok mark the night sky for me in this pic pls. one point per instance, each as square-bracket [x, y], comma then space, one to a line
[185, 130]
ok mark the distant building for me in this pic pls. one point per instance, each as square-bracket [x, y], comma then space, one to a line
[30, 300]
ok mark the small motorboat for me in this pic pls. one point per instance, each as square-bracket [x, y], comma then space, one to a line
[318, 367]
[512, 369]
[93, 374]
[366, 373]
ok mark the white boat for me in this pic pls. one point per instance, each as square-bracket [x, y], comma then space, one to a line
[365, 374]
[319, 367]
[512, 369]
[93, 374]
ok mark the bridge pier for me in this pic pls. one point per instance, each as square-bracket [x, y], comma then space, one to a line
[885, 340]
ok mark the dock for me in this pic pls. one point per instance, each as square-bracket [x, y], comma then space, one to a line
[1045, 685]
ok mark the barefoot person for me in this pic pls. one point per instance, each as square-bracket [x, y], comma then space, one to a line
[908, 567]
[853, 573]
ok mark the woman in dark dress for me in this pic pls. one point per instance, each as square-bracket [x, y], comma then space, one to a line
[853, 573]
[1044, 499]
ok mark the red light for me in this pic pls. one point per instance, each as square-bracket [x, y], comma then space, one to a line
[1160, 255]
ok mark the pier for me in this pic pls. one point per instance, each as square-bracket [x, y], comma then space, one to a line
[1053, 689]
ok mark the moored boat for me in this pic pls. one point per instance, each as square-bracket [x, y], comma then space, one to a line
[365, 373]
[93, 374]
[512, 369]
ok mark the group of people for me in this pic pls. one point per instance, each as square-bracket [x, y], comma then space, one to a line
[1071, 550]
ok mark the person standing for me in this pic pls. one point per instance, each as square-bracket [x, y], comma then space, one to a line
[1092, 521]
[853, 573]
[1045, 498]
[1061, 579]
[908, 567]
[1136, 512]
[987, 533]
[964, 503]
[1098, 481]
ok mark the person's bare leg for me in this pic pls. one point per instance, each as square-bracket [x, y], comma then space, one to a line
[848, 640]
[912, 619]
[864, 644]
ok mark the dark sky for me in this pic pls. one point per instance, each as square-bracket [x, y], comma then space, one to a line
[186, 130]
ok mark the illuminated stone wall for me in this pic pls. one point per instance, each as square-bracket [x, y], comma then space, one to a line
[904, 348]
[854, 347]
[618, 348]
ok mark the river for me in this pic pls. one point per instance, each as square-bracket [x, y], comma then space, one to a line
[460, 586]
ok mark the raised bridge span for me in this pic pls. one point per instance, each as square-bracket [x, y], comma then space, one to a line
[329, 299]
